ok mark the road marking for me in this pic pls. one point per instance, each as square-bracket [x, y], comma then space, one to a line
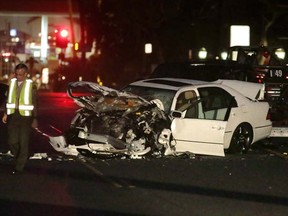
[58, 130]
[42, 133]
[119, 184]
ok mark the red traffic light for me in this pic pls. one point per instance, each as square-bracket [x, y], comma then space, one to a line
[62, 37]
[64, 33]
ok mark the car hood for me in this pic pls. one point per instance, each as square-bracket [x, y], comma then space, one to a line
[99, 98]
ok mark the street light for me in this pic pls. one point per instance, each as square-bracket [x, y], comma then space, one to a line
[202, 53]
[280, 53]
[224, 55]
[148, 48]
[148, 51]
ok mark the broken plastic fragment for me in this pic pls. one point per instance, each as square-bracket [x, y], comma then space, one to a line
[39, 156]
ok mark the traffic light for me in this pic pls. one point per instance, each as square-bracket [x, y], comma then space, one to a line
[76, 46]
[62, 37]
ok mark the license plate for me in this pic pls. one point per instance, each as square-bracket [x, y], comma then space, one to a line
[276, 73]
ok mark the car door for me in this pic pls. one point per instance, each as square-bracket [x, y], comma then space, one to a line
[203, 132]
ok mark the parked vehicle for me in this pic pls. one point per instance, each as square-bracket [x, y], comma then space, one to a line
[262, 65]
[206, 70]
[267, 65]
[279, 115]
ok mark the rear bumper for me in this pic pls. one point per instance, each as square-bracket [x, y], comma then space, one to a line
[279, 132]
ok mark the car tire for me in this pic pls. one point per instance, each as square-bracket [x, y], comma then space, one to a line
[241, 139]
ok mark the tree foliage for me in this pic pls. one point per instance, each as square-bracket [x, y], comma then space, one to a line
[122, 27]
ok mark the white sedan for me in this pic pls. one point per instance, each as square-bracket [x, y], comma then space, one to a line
[210, 117]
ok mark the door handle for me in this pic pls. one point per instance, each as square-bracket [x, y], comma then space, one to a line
[217, 128]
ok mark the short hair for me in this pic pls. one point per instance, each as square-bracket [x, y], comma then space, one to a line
[21, 66]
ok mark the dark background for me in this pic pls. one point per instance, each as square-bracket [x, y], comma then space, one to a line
[121, 28]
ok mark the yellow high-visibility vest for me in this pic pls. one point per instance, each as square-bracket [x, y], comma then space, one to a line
[25, 99]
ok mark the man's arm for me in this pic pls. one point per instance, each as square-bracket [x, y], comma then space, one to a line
[35, 104]
[35, 101]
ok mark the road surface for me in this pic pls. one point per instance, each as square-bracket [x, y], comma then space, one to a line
[56, 184]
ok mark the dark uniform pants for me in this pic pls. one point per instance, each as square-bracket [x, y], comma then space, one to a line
[19, 129]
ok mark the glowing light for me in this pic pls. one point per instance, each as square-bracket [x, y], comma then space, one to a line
[45, 75]
[239, 35]
[76, 46]
[202, 53]
[280, 53]
[224, 55]
[6, 54]
[64, 33]
[13, 32]
[148, 48]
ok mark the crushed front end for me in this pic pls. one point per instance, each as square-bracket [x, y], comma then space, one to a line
[112, 123]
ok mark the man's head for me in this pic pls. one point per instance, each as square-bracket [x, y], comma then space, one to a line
[21, 71]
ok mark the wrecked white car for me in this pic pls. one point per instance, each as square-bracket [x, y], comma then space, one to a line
[183, 116]
[112, 123]
[210, 118]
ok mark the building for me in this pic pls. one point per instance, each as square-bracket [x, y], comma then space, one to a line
[28, 31]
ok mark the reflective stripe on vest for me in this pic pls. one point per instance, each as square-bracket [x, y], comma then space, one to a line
[11, 103]
[25, 99]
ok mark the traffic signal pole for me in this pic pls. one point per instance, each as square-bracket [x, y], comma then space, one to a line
[72, 27]
[44, 38]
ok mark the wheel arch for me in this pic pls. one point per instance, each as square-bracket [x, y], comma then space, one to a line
[231, 148]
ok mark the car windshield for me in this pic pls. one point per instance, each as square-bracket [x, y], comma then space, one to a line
[148, 93]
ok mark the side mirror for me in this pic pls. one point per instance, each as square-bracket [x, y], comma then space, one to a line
[176, 114]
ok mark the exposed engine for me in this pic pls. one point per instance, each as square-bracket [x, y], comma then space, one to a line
[112, 123]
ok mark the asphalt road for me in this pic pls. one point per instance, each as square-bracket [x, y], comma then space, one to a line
[56, 184]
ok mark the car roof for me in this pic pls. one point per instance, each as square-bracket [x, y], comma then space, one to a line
[168, 83]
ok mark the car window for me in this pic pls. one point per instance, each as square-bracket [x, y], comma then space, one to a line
[188, 103]
[215, 103]
[185, 99]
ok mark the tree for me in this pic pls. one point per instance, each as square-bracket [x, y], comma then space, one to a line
[274, 15]
[121, 28]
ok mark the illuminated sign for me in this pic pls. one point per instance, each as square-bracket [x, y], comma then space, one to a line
[239, 35]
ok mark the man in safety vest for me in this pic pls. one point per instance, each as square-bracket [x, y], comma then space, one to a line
[20, 115]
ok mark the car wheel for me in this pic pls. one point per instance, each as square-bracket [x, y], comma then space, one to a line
[241, 139]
